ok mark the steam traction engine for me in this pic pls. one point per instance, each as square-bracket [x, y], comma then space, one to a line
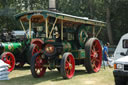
[66, 42]
[16, 51]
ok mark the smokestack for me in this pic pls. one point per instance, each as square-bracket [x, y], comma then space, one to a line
[52, 5]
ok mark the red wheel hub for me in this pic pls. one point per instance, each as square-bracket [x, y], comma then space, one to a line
[96, 56]
[70, 66]
[39, 68]
[10, 60]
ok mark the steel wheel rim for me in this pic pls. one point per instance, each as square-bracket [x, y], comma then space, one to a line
[9, 59]
[96, 56]
[69, 66]
[39, 69]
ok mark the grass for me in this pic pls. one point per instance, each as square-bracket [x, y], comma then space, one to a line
[23, 77]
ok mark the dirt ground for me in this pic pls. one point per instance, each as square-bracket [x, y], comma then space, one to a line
[22, 76]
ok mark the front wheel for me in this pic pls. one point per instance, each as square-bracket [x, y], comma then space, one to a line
[67, 66]
[37, 68]
[8, 58]
[93, 52]
[32, 50]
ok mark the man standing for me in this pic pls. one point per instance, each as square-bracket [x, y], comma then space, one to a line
[105, 53]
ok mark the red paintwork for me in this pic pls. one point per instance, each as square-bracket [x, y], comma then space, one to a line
[9, 58]
[70, 66]
[39, 69]
[96, 56]
[39, 42]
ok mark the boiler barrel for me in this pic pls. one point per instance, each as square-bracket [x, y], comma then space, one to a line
[11, 47]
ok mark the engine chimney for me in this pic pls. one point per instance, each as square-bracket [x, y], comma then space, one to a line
[52, 5]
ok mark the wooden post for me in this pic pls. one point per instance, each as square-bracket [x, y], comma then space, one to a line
[98, 32]
[23, 28]
[93, 28]
[30, 28]
[61, 29]
[46, 27]
[53, 26]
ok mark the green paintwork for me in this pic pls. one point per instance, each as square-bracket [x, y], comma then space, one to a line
[82, 36]
[78, 54]
[11, 47]
[66, 47]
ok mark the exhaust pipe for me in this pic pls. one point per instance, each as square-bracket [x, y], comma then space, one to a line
[52, 5]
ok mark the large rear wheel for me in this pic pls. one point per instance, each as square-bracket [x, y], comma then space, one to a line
[67, 66]
[8, 58]
[37, 68]
[93, 52]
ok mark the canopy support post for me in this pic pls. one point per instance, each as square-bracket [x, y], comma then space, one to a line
[61, 29]
[46, 26]
[93, 31]
[30, 28]
[98, 32]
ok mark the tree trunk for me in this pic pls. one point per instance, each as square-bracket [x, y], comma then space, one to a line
[109, 30]
[91, 8]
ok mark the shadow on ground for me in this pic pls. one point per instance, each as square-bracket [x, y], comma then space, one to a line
[22, 68]
[49, 76]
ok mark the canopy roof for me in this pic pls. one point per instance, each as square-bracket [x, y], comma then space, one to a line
[41, 15]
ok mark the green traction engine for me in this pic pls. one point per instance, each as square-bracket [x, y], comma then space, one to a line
[17, 53]
[66, 41]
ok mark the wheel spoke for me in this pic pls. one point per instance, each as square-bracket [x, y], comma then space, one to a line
[97, 51]
[68, 71]
[97, 60]
[92, 51]
[95, 44]
[93, 64]
[92, 59]
[39, 68]
[70, 61]
[92, 55]
[66, 67]
[8, 58]
[36, 50]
